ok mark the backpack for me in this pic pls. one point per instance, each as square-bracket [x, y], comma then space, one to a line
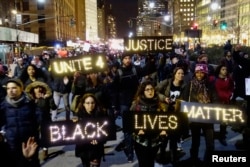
[120, 72]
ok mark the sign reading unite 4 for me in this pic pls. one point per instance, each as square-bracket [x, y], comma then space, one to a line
[84, 63]
[148, 44]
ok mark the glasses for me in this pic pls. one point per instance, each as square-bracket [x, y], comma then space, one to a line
[89, 103]
[149, 89]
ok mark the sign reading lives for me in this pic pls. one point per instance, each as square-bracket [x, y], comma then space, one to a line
[88, 129]
[84, 63]
[213, 113]
[151, 121]
[148, 44]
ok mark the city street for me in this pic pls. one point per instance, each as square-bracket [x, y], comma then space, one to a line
[64, 156]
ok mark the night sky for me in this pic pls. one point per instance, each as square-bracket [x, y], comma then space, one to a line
[123, 10]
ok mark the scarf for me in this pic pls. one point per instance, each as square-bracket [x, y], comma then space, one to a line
[199, 87]
[15, 103]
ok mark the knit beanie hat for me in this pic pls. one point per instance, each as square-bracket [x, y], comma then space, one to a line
[201, 67]
[125, 55]
[16, 81]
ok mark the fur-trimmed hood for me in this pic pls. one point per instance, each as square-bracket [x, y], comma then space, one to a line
[34, 84]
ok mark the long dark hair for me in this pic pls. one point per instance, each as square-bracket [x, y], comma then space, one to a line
[218, 68]
[38, 73]
[98, 110]
[140, 91]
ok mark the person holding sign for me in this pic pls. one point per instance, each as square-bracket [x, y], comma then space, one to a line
[224, 86]
[170, 90]
[200, 90]
[147, 143]
[90, 153]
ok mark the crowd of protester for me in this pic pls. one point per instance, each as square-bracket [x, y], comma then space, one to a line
[152, 82]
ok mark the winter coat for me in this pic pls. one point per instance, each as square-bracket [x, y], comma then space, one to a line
[153, 106]
[59, 86]
[126, 83]
[88, 151]
[164, 88]
[20, 122]
[46, 103]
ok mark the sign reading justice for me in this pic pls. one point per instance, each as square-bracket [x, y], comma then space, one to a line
[213, 113]
[88, 129]
[84, 63]
[148, 44]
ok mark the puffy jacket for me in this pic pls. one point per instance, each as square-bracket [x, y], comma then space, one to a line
[20, 121]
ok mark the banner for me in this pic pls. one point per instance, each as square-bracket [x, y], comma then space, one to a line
[213, 113]
[151, 121]
[84, 63]
[88, 129]
[148, 44]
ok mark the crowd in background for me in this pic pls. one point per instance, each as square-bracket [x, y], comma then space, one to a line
[151, 82]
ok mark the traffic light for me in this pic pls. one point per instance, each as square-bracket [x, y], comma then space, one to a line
[215, 23]
[223, 25]
[195, 26]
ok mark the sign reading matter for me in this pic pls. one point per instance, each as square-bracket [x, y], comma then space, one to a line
[84, 63]
[213, 113]
[88, 129]
[148, 44]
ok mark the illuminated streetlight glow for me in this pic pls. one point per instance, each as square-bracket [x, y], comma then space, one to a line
[151, 5]
[209, 18]
[214, 6]
[167, 17]
[14, 12]
[130, 34]
[41, 1]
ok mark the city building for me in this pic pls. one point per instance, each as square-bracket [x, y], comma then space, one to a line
[224, 20]
[150, 20]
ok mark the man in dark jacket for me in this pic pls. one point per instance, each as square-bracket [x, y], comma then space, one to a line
[126, 83]
[19, 119]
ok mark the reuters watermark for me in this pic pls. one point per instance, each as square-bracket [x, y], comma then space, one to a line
[229, 158]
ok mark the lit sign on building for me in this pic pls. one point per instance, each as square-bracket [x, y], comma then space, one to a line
[67, 132]
[84, 63]
[213, 113]
[148, 44]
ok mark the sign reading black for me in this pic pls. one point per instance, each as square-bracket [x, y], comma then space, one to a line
[84, 63]
[88, 129]
[148, 44]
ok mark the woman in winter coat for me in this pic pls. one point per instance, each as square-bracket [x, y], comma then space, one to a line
[224, 86]
[42, 95]
[200, 90]
[146, 144]
[170, 90]
[92, 152]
